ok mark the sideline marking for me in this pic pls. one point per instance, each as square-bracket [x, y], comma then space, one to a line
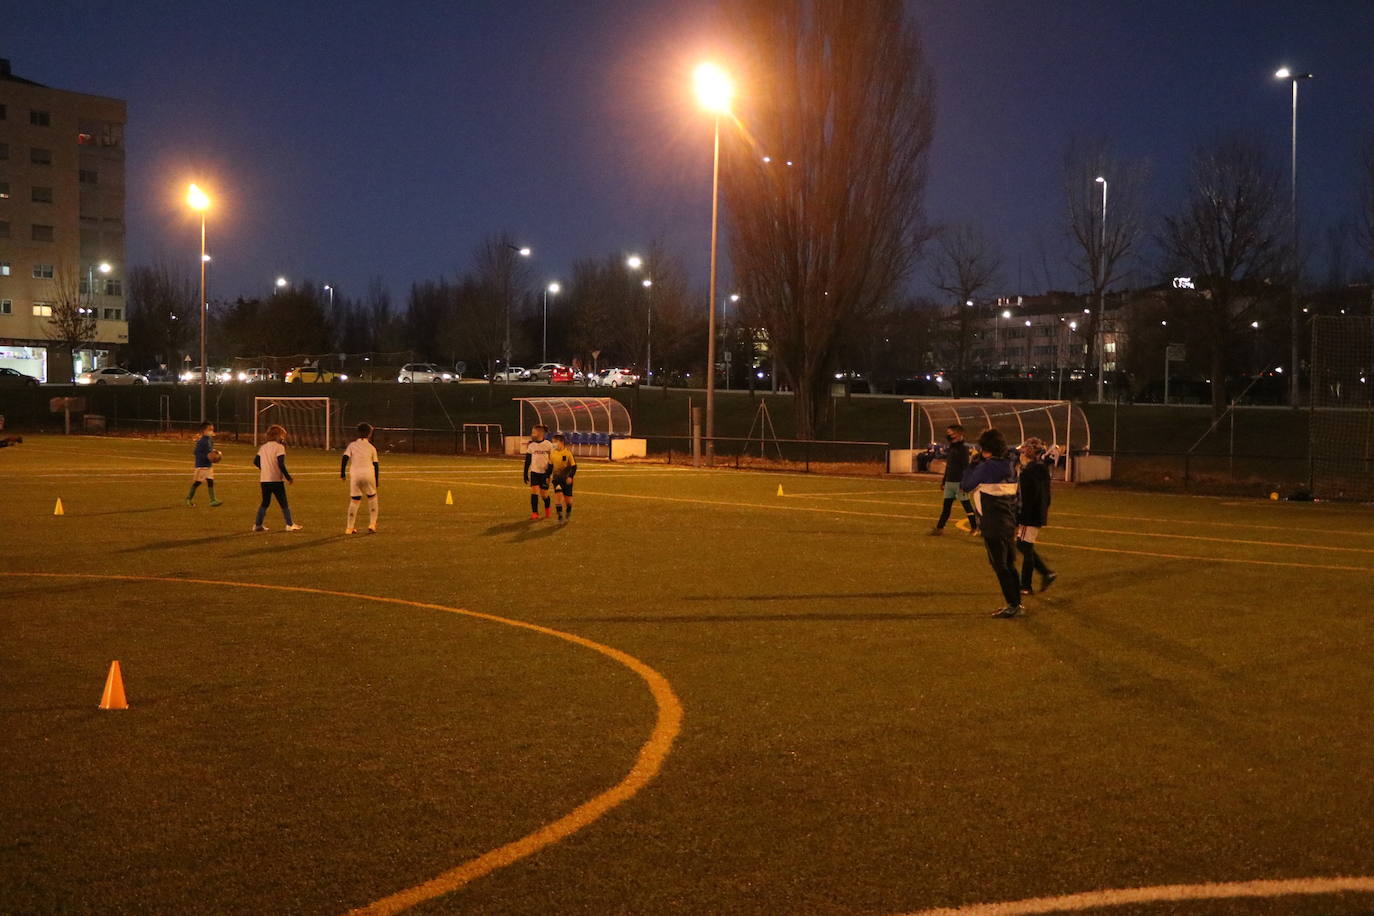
[648, 762]
[908, 518]
[1091, 900]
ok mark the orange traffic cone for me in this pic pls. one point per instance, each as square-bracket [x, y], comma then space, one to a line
[113, 697]
[57, 509]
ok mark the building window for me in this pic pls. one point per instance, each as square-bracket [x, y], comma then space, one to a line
[42, 271]
[40, 118]
[4, 228]
[41, 195]
[112, 314]
[40, 156]
[88, 176]
[41, 233]
[42, 310]
[6, 307]
[114, 287]
[85, 139]
[4, 189]
[112, 135]
[4, 268]
[4, 150]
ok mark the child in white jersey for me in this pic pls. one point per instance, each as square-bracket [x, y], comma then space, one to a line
[537, 468]
[364, 479]
[273, 476]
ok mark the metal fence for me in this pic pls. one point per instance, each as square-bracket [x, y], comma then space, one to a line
[804, 455]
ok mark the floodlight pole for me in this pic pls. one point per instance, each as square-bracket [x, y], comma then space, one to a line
[711, 304]
[204, 369]
[1102, 298]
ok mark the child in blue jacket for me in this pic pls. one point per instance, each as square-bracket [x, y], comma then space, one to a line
[992, 484]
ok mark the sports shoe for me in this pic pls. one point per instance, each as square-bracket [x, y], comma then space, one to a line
[1007, 612]
[1047, 580]
[546, 513]
[216, 502]
[189, 504]
[1026, 591]
[259, 527]
[372, 530]
[935, 532]
[534, 516]
[350, 531]
[293, 528]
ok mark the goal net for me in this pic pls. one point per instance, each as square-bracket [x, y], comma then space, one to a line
[309, 422]
[1341, 434]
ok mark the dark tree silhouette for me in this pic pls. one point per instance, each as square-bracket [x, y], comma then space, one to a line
[824, 175]
[1231, 234]
[966, 262]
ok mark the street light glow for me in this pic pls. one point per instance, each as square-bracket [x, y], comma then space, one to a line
[648, 283]
[525, 252]
[715, 89]
[281, 283]
[196, 199]
[205, 258]
[1100, 180]
[105, 267]
[734, 297]
[1006, 313]
[555, 287]
[634, 262]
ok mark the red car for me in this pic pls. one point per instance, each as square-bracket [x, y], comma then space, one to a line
[560, 374]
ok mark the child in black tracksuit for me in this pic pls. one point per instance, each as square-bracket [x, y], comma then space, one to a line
[992, 483]
[1033, 513]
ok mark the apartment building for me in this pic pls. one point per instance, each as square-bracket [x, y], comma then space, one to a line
[61, 224]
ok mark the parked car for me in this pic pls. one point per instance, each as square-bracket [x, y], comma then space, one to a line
[561, 375]
[613, 378]
[512, 374]
[214, 376]
[258, 374]
[544, 371]
[10, 376]
[161, 375]
[425, 372]
[313, 375]
[111, 375]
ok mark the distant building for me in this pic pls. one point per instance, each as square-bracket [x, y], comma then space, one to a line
[61, 217]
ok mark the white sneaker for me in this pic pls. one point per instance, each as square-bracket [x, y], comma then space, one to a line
[372, 530]
[350, 531]
[293, 527]
[259, 527]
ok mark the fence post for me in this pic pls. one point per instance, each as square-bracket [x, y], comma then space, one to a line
[806, 454]
[1187, 465]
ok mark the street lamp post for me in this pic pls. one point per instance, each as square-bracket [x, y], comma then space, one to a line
[649, 330]
[725, 322]
[715, 91]
[554, 288]
[524, 252]
[1285, 73]
[1102, 296]
[197, 200]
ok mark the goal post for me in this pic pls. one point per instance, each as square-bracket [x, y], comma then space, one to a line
[310, 422]
[1341, 427]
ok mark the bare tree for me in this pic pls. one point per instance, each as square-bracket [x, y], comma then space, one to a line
[1231, 236]
[825, 177]
[161, 311]
[73, 322]
[502, 277]
[965, 264]
[1101, 258]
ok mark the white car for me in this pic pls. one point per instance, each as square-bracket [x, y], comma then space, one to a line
[425, 372]
[215, 376]
[255, 375]
[544, 371]
[111, 375]
[613, 378]
[512, 374]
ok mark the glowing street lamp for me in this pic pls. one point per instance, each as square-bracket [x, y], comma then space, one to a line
[281, 283]
[1102, 294]
[715, 91]
[199, 201]
[524, 252]
[635, 262]
[1284, 73]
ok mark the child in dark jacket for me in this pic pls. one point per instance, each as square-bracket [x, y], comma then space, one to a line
[992, 483]
[1033, 513]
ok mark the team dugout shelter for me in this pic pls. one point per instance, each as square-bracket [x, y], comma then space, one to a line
[592, 427]
[1062, 426]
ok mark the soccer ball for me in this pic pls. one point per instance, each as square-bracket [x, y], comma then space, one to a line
[215, 456]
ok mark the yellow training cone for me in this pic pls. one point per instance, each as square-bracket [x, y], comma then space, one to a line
[448, 500]
[780, 493]
[113, 697]
[57, 509]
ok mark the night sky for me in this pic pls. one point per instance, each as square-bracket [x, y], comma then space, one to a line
[349, 140]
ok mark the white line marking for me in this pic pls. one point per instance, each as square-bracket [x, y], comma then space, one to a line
[1164, 893]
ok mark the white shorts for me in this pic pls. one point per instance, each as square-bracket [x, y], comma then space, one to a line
[362, 486]
[1027, 533]
[204, 474]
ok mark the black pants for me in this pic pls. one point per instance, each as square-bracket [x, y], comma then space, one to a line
[1031, 563]
[1002, 557]
[968, 508]
[270, 490]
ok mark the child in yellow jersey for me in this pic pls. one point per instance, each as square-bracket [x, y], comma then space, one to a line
[564, 466]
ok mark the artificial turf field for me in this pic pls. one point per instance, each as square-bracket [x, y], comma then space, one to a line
[812, 713]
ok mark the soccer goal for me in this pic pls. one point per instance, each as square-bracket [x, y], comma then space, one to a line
[1341, 431]
[310, 422]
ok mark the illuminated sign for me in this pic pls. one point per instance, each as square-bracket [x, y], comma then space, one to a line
[1183, 283]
